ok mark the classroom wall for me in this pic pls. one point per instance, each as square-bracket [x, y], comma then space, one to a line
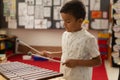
[46, 37]
[40, 37]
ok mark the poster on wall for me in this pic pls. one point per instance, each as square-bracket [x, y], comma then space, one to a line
[99, 24]
[39, 2]
[56, 2]
[30, 22]
[22, 13]
[47, 2]
[12, 24]
[13, 8]
[95, 4]
[47, 11]
[39, 12]
[41, 24]
[96, 14]
[30, 10]
[86, 2]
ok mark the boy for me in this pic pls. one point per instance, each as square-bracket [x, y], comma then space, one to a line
[79, 48]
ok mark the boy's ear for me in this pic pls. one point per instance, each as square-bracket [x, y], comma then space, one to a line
[80, 20]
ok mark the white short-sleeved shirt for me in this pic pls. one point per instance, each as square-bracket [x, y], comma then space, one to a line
[78, 45]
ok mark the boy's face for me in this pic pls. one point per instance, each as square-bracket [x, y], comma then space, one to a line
[70, 23]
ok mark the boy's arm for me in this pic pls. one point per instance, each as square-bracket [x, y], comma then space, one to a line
[88, 63]
[93, 62]
[52, 54]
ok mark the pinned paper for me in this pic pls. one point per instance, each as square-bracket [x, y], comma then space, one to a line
[105, 14]
[12, 24]
[30, 10]
[95, 4]
[96, 14]
[39, 12]
[99, 24]
[57, 2]
[56, 13]
[47, 2]
[39, 2]
[41, 24]
[47, 12]
[30, 22]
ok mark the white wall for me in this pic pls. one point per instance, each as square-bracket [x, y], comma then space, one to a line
[40, 37]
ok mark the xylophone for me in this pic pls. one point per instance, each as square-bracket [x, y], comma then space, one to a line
[21, 71]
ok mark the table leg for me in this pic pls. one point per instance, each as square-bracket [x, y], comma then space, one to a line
[119, 74]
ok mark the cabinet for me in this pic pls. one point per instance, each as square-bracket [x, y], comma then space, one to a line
[7, 43]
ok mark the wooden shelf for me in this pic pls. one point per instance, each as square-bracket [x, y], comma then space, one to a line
[7, 38]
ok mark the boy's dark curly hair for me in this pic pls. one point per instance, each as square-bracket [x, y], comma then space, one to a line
[75, 8]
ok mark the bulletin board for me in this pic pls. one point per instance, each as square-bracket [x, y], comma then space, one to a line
[34, 14]
[99, 14]
[45, 14]
[39, 14]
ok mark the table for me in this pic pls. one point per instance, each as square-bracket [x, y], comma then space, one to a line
[59, 78]
[116, 62]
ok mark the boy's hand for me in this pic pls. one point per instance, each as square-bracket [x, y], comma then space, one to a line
[47, 54]
[71, 63]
